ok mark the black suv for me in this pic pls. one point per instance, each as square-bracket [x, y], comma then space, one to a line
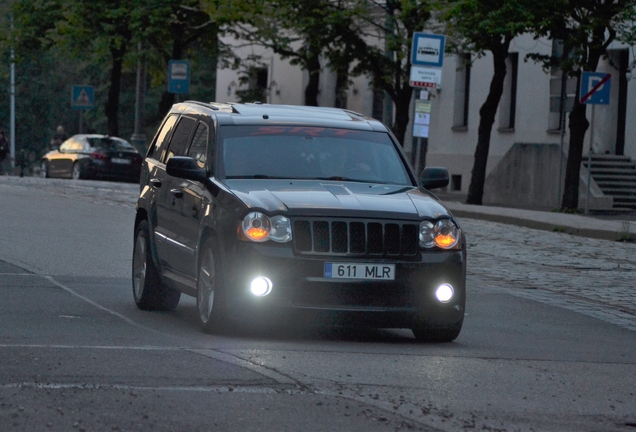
[258, 208]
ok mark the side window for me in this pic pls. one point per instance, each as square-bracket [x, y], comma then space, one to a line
[162, 137]
[198, 148]
[180, 137]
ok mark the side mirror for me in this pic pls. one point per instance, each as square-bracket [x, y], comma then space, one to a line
[186, 168]
[434, 177]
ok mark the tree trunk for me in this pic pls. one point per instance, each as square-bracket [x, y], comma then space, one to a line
[402, 113]
[578, 127]
[112, 104]
[166, 102]
[487, 114]
[311, 91]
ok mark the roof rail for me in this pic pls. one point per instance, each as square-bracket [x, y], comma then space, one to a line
[205, 104]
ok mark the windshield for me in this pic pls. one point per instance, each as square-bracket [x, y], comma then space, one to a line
[292, 152]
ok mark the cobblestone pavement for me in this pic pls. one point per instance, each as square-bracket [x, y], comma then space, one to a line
[593, 277]
[589, 276]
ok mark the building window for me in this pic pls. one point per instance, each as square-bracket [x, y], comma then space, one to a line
[508, 103]
[462, 92]
[256, 80]
[456, 182]
[562, 90]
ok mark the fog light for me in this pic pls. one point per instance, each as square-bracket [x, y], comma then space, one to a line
[261, 286]
[444, 293]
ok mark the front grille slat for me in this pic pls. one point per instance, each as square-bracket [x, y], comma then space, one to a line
[375, 244]
[321, 236]
[339, 237]
[357, 238]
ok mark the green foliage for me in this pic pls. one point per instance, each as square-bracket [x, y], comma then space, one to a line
[59, 43]
[484, 25]
[587, 28]
[377, 41]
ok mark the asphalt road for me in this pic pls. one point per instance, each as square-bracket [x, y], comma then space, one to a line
[76, 354]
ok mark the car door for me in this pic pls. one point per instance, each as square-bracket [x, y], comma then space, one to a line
[170, 199]
[191, 206]
[158, 183]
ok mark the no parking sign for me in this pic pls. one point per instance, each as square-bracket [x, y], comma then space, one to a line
[595, 88]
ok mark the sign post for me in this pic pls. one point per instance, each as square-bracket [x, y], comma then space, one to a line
[82, 98]
[595, 90]
[427, 58]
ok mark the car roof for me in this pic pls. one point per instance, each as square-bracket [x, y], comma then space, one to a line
[268, 114]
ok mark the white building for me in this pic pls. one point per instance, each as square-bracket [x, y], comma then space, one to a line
[523, 165]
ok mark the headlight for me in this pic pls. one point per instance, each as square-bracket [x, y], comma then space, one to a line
[281, 229]
[259, 228]
[443, 234]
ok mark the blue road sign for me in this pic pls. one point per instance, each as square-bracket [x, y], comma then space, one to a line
[82, 97]
[595, 88]
[427, 49]
[178, 76]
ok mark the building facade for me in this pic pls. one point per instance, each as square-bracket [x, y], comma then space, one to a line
[530, 118]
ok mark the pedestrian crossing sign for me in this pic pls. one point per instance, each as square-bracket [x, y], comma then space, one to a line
[82, 97]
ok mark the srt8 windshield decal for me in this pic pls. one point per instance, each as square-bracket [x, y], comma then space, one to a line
[297, 130]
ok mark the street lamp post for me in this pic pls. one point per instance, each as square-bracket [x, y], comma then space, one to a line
[139, 138]
[12, 105]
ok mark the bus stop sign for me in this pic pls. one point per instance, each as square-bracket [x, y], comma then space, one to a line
[178, 76]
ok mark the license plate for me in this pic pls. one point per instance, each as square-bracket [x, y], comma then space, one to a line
[121, 161]
[360, 271]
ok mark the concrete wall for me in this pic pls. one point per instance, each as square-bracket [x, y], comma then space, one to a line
[528, 176]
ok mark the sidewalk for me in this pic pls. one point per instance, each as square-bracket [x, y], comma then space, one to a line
[597, 227]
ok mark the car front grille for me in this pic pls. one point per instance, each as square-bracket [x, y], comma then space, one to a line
[355, 238]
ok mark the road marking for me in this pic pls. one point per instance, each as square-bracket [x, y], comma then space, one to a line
[216, 389]
[98, 306]
[214, 354]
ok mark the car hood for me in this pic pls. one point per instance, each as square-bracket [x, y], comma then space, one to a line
[352, 199]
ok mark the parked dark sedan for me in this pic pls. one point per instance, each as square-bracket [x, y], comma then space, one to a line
[93, 157]
[261, 209]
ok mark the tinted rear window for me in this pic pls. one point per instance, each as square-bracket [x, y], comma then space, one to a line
[110, 144]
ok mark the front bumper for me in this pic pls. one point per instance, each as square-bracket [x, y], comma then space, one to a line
[299, 286]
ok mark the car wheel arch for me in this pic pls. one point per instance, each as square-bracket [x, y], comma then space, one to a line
[206, 234]
[141, 216]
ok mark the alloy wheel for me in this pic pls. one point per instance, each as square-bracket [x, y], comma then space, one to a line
[139, 266]
[206, 285]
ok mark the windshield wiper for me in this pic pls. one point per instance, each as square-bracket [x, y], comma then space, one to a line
[260, 177]
[341, 178]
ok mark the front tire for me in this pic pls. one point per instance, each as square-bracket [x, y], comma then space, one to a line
[148, 290]
[77, 174]
[44, 169]
[210, 299]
